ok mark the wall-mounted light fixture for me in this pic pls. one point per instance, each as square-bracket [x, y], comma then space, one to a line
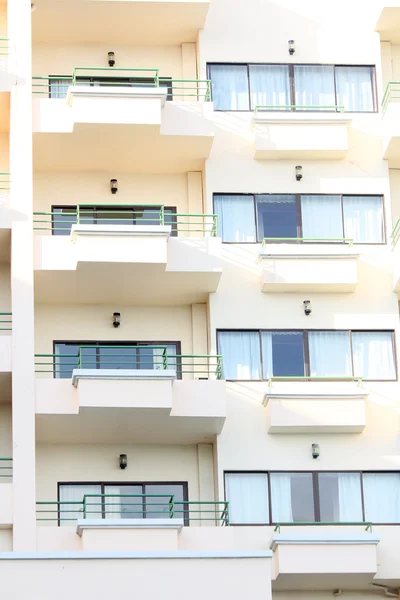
[33, 7]
[315, 450]
[114, 186]
[307, 307]
[299, 172]
[111, 59]
[123, 461]
[291, 47]
[116, 319]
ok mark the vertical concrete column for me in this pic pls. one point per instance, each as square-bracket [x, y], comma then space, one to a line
[189, 71]
[387, 67]
[195, 205]
[23, 382]
[199, 329]
[205, 461]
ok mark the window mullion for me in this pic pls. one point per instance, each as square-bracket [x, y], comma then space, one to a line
[261, 356]
[307, 369]
[248, 87]
[299, 216]
[292, 86]
[351, 353]
[317, 507]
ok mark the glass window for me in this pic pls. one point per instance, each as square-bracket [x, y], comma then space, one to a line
[123, 502]
[373, 355]
[230, 89]
[247, 494]
[269, 85]
[282, 353]
[71, 502]
[116, 357]
[321, 217]
[158, 505]
[292, 497]
[314, 86]
[236, 218]
[62, 219]
[276, 216]
[363, 218]
[58, 87]
[354, 88]
[240, 354]
[66, 359]
[330, 353]
[382, 497]
[340, 497]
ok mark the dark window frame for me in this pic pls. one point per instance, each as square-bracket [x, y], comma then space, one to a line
[307, 353]
[103, 484]
[292, 89]
[314, 474]
[299, 218]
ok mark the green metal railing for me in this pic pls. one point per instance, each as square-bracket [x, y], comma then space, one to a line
[6, 468]
[57, 87]
[133, 506]
[4, 46]
[348, 241]
[271, 380]
[395, 236]
[5, 321]
[366, 524]
[392, 94]
[4, 181]
[127, 214]
[141, 357]
[301, 107]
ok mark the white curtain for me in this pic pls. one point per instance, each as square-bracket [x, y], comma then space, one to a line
[363, 218]
[59, 87]
[269, 85]
[266, 346]
[314, 85]
[281, 498]
[240, 354]
[230, 90]
[373, 355]
[382, 497]
[236, 219]
[350, 504]
[247, 494]
[112, 505]
[75, 493]
[354, 88]
[330, 353]
[321, 217]
[158, 357]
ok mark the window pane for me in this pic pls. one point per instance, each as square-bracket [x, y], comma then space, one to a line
[66, 359]
[59, 87]
[71, 507]
[292, 497]
[247, 494]
[330, 353]
[62, 220]
[314, 86]
[158, 506]
[276, 216]
[282, 353]
[123, 501]
[236, 218]
[117, 357]
[340, 497]
[363, 218]
[89, 358]
[109, 215]
[240, 354]
[269, 85]
[354, 88]
[373, 355]
[382, 497]
[230, 89]
[321, 217]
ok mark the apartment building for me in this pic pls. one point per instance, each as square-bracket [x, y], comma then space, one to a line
[199, 314]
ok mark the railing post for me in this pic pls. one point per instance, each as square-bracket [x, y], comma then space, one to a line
[84, 506]
[165, 359]
[80, 357]
[78, 216]
[162, 216]
[171, 507]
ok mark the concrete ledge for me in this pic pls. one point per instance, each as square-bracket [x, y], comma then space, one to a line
[203, 554]
[290, 117]
[298, 256]
[134, 374]
[312, 539]
[86, 91]
[83, 524]
[121, 230]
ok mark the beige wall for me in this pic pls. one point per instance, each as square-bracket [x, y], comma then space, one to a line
[4, 152]
[5, 432]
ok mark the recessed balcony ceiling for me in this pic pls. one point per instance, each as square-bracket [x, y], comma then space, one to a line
[388, 25]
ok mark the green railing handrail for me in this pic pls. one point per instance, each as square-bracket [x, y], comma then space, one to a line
[186, 364]
[314, 378]
[205, 223]
[390, 94]
[349, 241]
[152, 73]
[395, 235]
[4, 180]
[311, 107]
[6, 465]
[5, 322]
[4, 46]
[366, 524]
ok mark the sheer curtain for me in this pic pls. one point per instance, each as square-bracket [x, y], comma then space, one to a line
[113, 505]
[236, 218]
[350, 504]
[373, 355]
[59, 87]
[240, 354]
[354, 88]
[75, 493]
[363, 218]
[314, 85]
[382, 497]
[321, 217]
[269, 85]
[247, 494]
[281, 498]
[229, 87]
[330, 353]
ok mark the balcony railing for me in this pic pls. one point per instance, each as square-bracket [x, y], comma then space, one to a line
[5, 321]
[395, 235]
[6, 468]
[57, 87]
[259, 108]
[300, 378]
[4, 182]
[392, 94]
[133, 506]
[154, 358]
[348, 241]
[366, 524]
[128, 214]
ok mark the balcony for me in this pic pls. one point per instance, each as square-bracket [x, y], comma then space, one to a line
[391, 124]
[6, 488]
[332, 559]
[5, 216]
[167, 399]
[5, 356]
[155, 119]
[317, 265]
[395, 237]
[315, 405]
[7, 68]
[281, 133]
[147, 22]
[388, 25]
[176, 259]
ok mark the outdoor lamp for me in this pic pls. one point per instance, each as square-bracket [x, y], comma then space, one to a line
[116, 319]
[291, 47]
[114, 186]
[299, 172]
[314, 450]
[111, 59]
[307, 307]
[123, 461]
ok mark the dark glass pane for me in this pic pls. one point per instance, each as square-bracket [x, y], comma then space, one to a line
[276, 217]
[147, 215]
[171, 219]
[123, 502]
[88, 357]
[62, 220]
[158, 506]
[287, 354]
[87, 216]
[66, 359]
[117, 357]
[110, 215]
[302, 496]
